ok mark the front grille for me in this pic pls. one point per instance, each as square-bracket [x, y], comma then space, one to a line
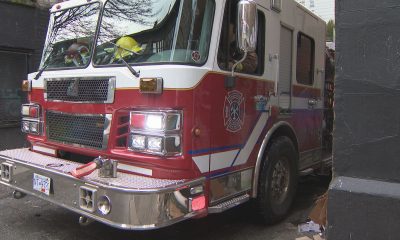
[78, 129]
[80, 90]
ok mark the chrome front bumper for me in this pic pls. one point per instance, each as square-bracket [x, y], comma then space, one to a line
[137, 203]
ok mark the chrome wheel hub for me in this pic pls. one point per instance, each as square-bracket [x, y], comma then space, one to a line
[280, 181]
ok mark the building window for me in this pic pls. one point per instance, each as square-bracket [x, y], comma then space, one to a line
[228, 52]
[305, 59]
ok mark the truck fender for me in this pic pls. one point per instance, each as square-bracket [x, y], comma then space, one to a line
[268, 137]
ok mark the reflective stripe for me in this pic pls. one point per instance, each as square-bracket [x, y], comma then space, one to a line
[202, 162]
[44, 150]
[222, 160]
[227, 159]
[130, 168]
[251, 142]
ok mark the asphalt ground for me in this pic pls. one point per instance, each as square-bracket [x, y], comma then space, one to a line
[35, 219]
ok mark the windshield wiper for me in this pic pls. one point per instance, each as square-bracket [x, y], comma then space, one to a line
[45, 65]
[133, 71]
[41, 71]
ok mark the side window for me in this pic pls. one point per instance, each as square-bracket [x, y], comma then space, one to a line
[228, 52]
[305, 59]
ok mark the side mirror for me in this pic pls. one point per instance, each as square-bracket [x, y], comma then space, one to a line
[247, 25]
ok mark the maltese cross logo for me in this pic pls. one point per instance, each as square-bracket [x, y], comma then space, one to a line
[234, 110]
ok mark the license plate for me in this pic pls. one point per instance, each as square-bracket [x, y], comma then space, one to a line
[41, 183]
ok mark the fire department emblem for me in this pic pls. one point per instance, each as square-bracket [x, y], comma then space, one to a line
[234, 110]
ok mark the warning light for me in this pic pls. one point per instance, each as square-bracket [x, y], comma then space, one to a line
[198, 203]
[30, 110]
[138, 121]
[26, 86]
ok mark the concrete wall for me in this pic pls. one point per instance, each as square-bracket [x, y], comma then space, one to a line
[364, 199]
[22, 34]
[23, 28]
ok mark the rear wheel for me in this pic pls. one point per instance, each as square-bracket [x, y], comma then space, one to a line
[278, 180]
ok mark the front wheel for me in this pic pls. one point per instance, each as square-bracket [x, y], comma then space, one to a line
[278, 181]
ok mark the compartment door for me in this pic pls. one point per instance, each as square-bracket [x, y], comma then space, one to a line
[285, 69]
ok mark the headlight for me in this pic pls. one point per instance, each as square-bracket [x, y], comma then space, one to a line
[138, 142]
[31, 127]
[25, 126]
[155, 144]
[156, 132]
[154, 122]
[34, 127]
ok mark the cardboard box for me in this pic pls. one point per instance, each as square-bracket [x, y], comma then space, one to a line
[319, 212]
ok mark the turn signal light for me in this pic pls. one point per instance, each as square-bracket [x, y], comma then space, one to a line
[26, 86]
[30, 110]
[151, 85]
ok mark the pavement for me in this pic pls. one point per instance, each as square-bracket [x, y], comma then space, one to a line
[35, 219]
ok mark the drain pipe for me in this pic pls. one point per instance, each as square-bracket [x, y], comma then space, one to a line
[85, 221]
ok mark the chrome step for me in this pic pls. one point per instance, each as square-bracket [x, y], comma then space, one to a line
[306, 172]
[327, 161]
[326, 166]
[233, 202]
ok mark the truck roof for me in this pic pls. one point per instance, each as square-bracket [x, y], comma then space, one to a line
[264, 3]
[72, 3]
[307, 10]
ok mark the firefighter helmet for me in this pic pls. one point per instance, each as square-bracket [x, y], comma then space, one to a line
[125, 47]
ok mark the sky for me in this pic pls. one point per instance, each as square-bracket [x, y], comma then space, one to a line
[323, 8]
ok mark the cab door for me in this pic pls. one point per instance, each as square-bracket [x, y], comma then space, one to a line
[236, 122]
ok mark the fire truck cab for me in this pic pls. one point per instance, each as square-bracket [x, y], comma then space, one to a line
[146, 113]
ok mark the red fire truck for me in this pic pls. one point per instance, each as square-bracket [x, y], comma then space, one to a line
[146, 113]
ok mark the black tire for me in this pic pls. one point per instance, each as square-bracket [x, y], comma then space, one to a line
[277, 186]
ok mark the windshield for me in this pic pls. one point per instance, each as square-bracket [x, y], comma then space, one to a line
[70, 37]
[155, 31]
